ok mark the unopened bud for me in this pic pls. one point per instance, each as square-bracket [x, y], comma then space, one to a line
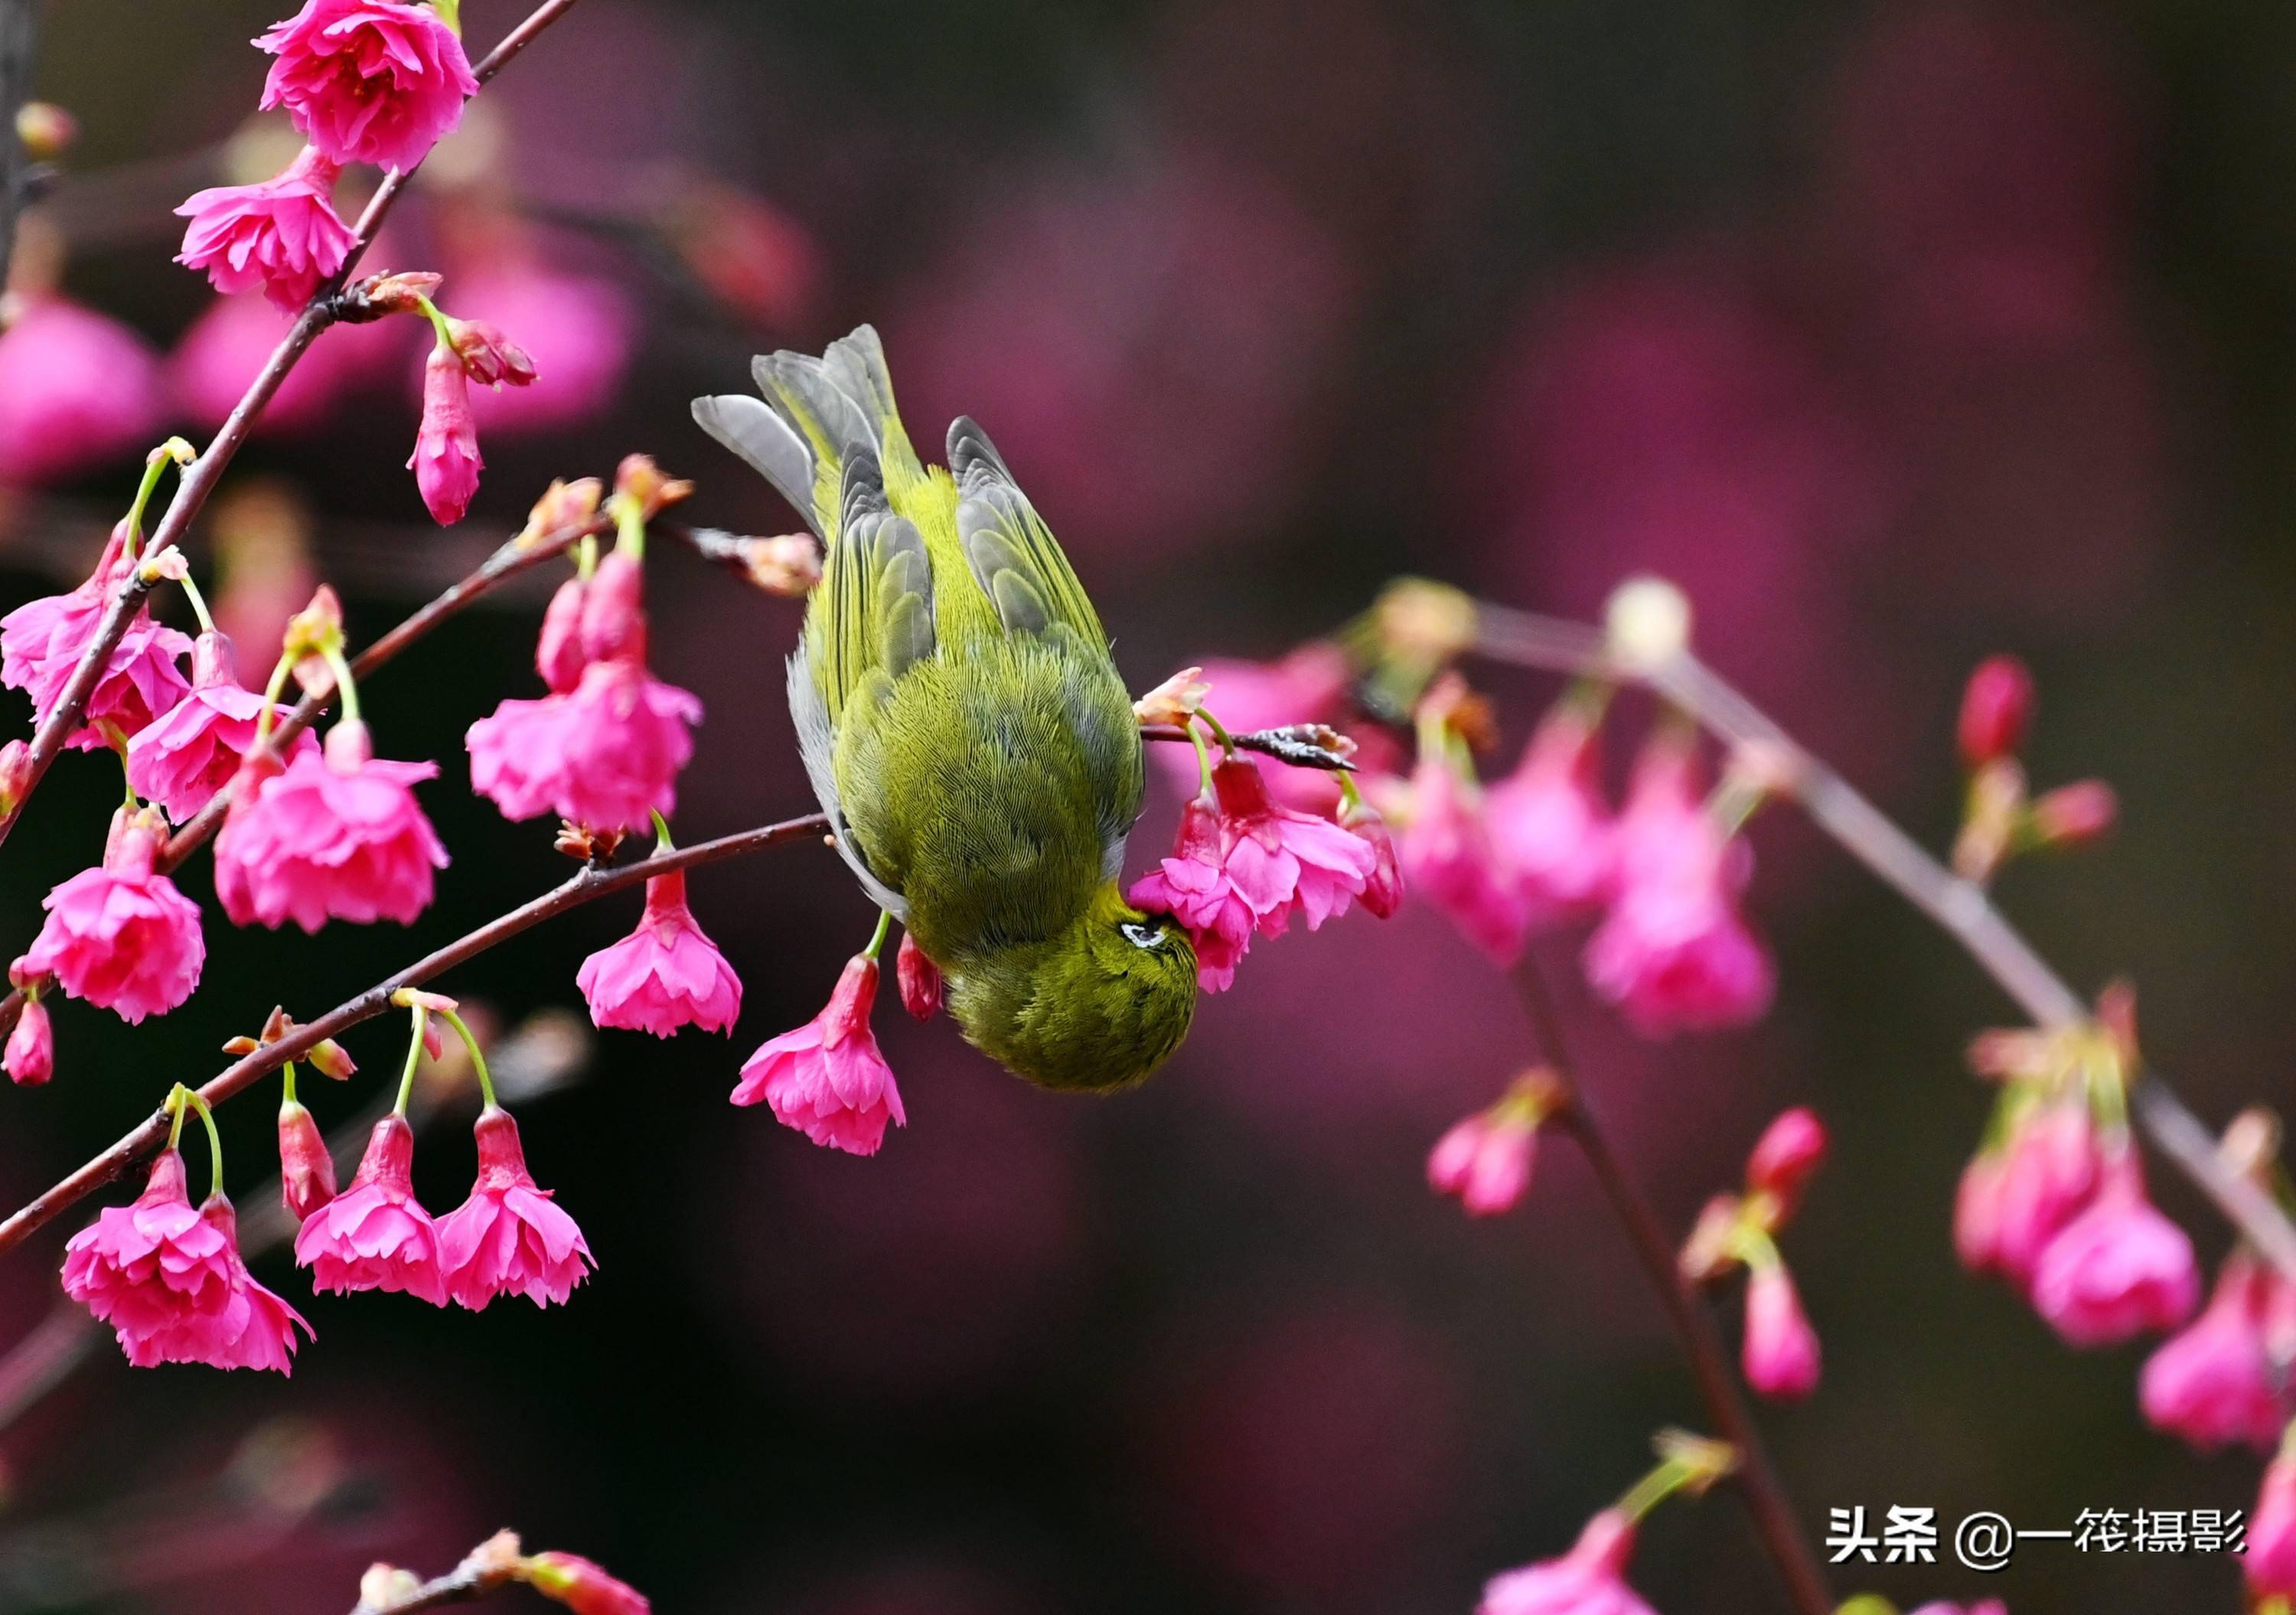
[386, 1586]
[2073, 815]
[590, 846]
[311, 633]
[306, 1171]
[1175, 701]
[639, 480]
[45, 129]
[1647, 623]
[1706, 1254]
[1790, 1150]
[582, 1586]
[1383, 893]
[31, 1054]
[563, 504]
[789, 563]
[331, 1059]
[613, 610]
[1996, 709]
[379, 294]
[489, 357]
[15, 774]
[919, 978]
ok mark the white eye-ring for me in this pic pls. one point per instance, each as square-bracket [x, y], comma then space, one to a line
[1143, 936]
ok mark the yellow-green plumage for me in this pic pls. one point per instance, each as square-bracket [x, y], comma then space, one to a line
[964, 727]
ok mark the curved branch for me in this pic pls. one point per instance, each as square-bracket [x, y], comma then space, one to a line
[594, 881]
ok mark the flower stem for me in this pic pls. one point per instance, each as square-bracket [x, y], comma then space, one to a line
[661, 841]
[198, 604]
[478, 1055]
[884, 924]
[438, 322]
[154, 465]
[271, 691]
[413, 1059]
[1203, 758]
[287, 1095]
[214, 1139]
[176, 1097]
[341, 669]
[629, 527]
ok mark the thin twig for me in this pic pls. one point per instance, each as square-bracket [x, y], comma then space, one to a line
[594, 881]
[200, 476]
[493, 1563]
[1685, 1313]
[1960, 907]
[506, 562]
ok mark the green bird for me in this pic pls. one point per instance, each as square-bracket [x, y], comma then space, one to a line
[964, 724]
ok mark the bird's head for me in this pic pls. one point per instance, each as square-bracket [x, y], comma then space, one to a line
[1097, 1006]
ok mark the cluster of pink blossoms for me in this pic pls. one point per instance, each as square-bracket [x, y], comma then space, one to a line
[1780, 1356]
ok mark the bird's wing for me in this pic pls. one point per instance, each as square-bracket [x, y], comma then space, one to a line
[1011, 552]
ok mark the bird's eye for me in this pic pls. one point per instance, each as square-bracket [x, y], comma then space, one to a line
[1143, 936]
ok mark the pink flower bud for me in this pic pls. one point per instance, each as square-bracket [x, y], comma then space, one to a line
[1997, 709]
[583, 1586]
[919, 978]
[613, 610]
[1590, 1579]
[306, 1171]
[788, 564]
[46, 130]
[558, 654]
[1781, 1355]
[1383, 893]
[31, 1058]
[490, 357]
[2073, 815]
[446, 461]
[1486, 1161]
[15, 773]
[1791, 1149]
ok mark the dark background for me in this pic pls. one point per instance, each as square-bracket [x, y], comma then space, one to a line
[1897, 334]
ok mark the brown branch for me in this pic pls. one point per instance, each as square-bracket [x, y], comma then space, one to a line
[1960, 907]
[1756, 1477]
[594, 881]
[200, 476]
[493, 1563]
[507, 562]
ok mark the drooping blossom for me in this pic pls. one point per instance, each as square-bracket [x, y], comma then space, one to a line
[169, 1281]
[76, 391]
[374, 1236]
[577, 332]
[666, 974]
[1450, 860]
[1383, 892]
[334, 834]
[558, 649]
[446, 461]
[1281, 861]
[827, 1078]
[1673, 953]
[31, 1054]
[42, 640]
[606, 755]
[188, 754]
[1590, 1579]
[2216, 1382]
[281, 236]
[120, 935]
[919, 980]
[1781, 1355]
[2269, 1564]
[1548, 823]
[368, 80]
[584, 1587]
[2014, 1200]
[1486, 1160]
[509, 1237]
[306, 1167]
[1194, 887]
[2118, 1269]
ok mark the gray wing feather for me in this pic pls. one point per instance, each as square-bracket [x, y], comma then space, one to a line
[770, 445]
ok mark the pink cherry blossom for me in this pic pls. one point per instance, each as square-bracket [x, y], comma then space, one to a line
[1450, 860]
[584, 1587]
[31, 1054]
[120, 935]
[1194, 887]
[827, 1078]
[919, 980]
[1673, 953]
[334, 835]
[1548, 824]
[282, 236]
[374, 1236]
[42, 640]
[1791, 1149]
[1781, 1352]
[169, 1281]
[1590, 1579]
[626, 737]
[2215, 1383]
[446, 461]
[368, 80]
[76, 391]
[2118, 1269]
[509, 1237]
[2046, 1173]
[1383, 892]
[1485, 1160]
[558, 649]
[666, 974]
[1281, 861]
[188, 753]
[2270, 1563]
